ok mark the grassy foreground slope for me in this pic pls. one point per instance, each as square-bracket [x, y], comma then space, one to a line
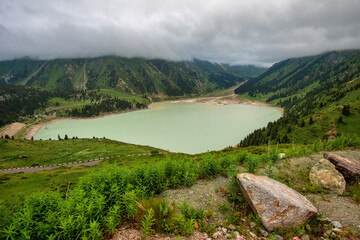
[24, 153]
[320, 95]
[102, 200]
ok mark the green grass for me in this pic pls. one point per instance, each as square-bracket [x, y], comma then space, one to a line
[66, 103]
[89, 208]
[25, 153]
[121, 95]
[14, 186]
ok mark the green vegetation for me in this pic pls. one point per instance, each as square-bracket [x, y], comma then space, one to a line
[133, 76]
[320, 95]
[18, 103]
[88, 208]
[24, 153]
[82, 204]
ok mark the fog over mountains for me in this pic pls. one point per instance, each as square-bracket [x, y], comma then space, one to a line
[237, 32]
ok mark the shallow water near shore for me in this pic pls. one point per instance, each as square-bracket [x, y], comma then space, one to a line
[177, 127]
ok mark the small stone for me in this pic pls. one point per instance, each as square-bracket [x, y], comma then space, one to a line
[231, 227]
[337, 230]
[240, 238]
[253, 235]
[305, 237]
[336, 224]
[252, 224]
[217, 235]
[224, 230]
[278, 237]
[263, 232]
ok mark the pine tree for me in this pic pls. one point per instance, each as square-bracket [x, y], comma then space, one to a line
[289, 129]
[311, 121]
[340, 120]
[346, 110]
[302, 124]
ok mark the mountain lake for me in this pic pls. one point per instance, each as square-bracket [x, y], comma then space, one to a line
[177, 127]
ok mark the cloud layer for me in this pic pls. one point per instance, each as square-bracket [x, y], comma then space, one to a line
[233, 31]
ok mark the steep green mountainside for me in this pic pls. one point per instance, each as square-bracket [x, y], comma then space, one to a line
[320, 96]
[128, 75]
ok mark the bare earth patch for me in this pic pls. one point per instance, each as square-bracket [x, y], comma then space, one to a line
[13, 128]
[338, 208]
[204, 194]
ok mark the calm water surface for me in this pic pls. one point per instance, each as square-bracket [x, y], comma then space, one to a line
[178, 127]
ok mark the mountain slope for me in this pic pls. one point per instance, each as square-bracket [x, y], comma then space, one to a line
[133, 76]
[313, 91]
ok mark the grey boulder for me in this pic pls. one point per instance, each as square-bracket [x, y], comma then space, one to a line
[325, 175]
[277, 205]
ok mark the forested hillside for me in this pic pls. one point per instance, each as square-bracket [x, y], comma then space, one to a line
[134, 76]
[320, 95]
[20, 102]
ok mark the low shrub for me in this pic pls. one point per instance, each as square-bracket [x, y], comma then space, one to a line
[95, 204]
[251, 164]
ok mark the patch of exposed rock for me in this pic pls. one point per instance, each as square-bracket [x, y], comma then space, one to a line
[348, 167]
[325, 175]
[277, 205]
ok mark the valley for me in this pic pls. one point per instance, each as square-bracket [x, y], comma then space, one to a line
[302, 107]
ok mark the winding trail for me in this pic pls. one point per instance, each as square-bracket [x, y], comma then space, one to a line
[72, 164]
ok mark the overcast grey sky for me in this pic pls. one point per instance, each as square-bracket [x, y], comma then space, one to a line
[233, 31]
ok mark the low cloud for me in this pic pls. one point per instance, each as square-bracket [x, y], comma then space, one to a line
[237, 32]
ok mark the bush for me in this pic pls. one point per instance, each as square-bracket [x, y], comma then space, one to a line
[242, 157]
[96, 203]
[208, 166]
[251, 164]
[162, 213]
[190, 212]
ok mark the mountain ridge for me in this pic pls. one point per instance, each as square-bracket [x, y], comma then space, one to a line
[313, 91]
[129, 75]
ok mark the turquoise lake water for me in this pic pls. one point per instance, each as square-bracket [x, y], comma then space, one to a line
[177, 127]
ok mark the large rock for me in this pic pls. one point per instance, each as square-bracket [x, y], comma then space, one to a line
[325, 175]
[277, 205]
[348, 167]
